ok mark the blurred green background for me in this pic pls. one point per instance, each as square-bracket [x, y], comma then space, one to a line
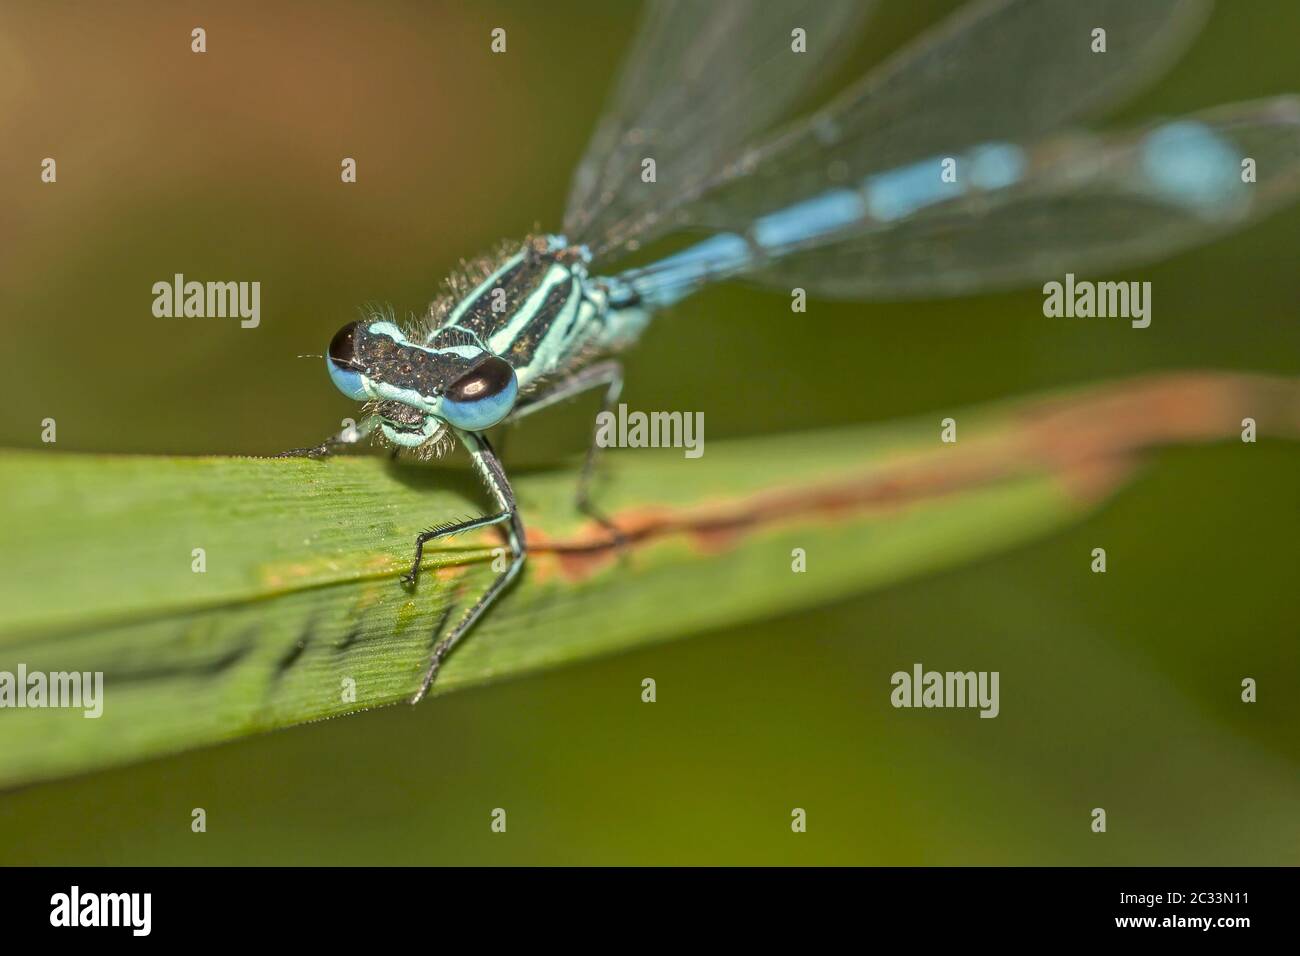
[1119, 691]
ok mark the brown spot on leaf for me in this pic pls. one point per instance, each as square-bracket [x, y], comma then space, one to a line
[1089, 442]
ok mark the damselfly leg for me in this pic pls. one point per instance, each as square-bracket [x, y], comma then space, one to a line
[348, 436]
[489, 468]
[609, 374]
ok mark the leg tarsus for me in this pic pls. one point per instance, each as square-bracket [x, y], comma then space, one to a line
[349, 436]
[617, 537]
[444, 646]
[314, 451]
[437, 629]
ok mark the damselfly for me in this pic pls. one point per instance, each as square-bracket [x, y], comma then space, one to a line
[947, 169]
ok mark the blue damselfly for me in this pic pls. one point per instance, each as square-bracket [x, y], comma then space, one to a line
[952, 167]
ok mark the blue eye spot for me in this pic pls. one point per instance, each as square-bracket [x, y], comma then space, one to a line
[482, 397]
[347, 381]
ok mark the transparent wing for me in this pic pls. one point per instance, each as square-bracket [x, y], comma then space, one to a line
[1072, 202]
[702, 79]
[1084, 203]
[996, 70]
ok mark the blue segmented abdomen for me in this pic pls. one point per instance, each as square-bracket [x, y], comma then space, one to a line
[1183, 163]
[1189, 164]
[881, 198]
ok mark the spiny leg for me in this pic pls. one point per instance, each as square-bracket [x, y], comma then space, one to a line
[446, 531]
[348, 436]
[489, 468]
[609, 374]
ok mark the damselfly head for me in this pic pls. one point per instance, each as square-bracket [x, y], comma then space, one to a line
[418, 389]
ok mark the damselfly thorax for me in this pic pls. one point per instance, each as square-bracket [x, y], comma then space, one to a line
[540, 311]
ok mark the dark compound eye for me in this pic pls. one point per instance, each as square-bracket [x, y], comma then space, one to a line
[343, 347]
[481, 397]
[490, 377]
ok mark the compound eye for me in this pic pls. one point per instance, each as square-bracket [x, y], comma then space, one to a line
[489, 378]
[482, 396]
[345, 370]
[343, 347]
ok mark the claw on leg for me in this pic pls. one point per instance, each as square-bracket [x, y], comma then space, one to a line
[313, 451]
